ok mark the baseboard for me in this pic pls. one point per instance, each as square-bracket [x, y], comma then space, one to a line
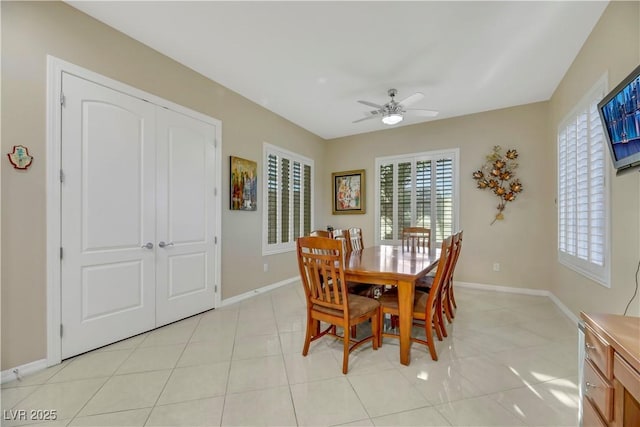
[250, 294]
[20, 371]
[523, 291]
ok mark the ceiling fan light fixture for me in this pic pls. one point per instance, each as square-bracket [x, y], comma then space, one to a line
[392, 119]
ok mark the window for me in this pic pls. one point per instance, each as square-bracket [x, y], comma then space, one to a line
[416, 190]
[583, 217]
[287, 199]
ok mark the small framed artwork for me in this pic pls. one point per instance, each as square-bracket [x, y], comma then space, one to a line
[243, 181]
[348, 192]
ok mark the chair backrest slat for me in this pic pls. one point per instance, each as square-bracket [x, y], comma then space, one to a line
[321, 264]
[416, 239]
[442, 274]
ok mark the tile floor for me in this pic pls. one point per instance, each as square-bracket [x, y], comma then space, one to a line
[509, 360]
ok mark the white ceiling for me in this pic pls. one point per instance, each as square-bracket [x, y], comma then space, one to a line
[310, 62]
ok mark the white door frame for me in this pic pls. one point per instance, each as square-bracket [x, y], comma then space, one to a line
[55, 68]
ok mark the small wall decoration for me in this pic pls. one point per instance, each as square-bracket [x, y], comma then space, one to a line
[19, 157]
[498, 175]
[243, 180]
[348, 192]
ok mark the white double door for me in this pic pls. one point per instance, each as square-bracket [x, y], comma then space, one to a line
[137, 215]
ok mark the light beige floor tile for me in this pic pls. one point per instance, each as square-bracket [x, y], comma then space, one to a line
[386, 392]
[531, 365]
[415, 417]
[479, 411]
[131, 391]
[550, 404]
[363, 360]
[65, 398]
[326, 402]
[36, 378]
[360, 423]
[292, 323]
[128, 344]
[292, 342]
[253, 327]
[267, 407]
[196, 382]
[440, 382]
[253, 374]
[146, 359]
[258, 312]
[256, 346]
[319, 365]
[9, 397]
[205, 352]
[132, 418]
[552, 329]
[204, 412]
[488, 375]
[175, 333]
[214, 331]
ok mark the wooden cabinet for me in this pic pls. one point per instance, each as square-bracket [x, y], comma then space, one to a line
[611, 375]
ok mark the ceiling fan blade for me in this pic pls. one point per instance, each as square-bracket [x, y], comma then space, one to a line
[422, 113]
[411, 99]
[373, 116]
[371, 104]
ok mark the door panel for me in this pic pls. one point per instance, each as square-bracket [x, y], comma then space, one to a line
[186, 216]
[108, 213]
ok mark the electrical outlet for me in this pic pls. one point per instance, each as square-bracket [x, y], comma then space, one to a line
[266, 267]
[496, 266]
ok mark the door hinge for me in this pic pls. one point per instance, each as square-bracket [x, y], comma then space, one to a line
[215, 191]
[62, 99]
[61, 330]
[215, 240]
[215, 289]
[60, 252]
[61, 176]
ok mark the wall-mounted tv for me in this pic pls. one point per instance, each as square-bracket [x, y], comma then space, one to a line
[620, 114]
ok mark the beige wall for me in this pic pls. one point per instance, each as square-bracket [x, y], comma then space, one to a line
[32, 30]
[613, 47]
[520, 242]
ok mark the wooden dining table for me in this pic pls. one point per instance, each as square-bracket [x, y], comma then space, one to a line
[390, 265]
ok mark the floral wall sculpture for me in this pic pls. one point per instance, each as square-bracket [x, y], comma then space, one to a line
[498, 175]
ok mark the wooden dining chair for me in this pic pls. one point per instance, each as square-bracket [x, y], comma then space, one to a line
[451, 297]
[328, 300]
[425, 307]
[320, 233]
[416, 239]
[355, 235]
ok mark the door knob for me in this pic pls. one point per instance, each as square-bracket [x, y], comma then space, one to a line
[147, 246]
[164, 245]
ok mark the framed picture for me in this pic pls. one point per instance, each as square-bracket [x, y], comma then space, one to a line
[243, 181]
[348, 192]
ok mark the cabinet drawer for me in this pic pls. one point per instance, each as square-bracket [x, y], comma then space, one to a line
[627, 376]
[590, 417]
[598, 390]
[599, 352]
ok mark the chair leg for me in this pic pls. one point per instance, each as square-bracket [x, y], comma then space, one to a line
[375, 324]
[428, 329]
[345, 354]
[440, 329]
[451, 297]
[354, 331]
[311, 325]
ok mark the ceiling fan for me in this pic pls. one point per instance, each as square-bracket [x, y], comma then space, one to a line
[393, 111]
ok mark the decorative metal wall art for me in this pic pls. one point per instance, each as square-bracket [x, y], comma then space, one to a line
[498, 175]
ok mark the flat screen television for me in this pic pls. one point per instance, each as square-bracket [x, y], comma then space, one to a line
[620, 114]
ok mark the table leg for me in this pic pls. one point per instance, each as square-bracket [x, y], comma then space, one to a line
[405, 308]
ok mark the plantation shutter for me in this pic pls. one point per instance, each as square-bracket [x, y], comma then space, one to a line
[582, 191]
[288, 199]
[417, 190]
